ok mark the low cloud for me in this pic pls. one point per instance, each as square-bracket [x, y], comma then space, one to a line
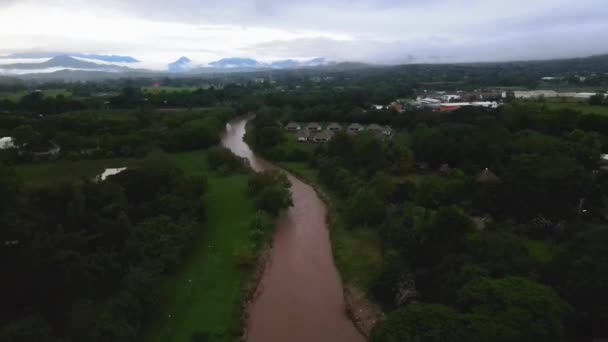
[380, 31]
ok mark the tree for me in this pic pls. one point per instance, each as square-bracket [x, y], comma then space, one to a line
[534, 311]
[446, 235]
[510, 96]
[25, 135]
[586, 147]
[365, 208]
[420, 322]
[270, 191]
[596, 100]
[579, 273]
[29, 329]
[501, 253]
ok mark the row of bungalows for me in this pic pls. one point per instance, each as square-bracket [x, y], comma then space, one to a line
[318, 137]
[314, 131]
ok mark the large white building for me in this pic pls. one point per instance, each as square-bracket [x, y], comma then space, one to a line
[6, 143]
[534, 94]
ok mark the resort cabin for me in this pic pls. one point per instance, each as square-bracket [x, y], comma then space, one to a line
[293, 127]
[334, 127]
[375, 128]
[323, 137]
[354, 128]
[313, 126]
[303, 136]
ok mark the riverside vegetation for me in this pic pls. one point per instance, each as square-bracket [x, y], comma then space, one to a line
[452, 252]
[492, 224]
[161, 251]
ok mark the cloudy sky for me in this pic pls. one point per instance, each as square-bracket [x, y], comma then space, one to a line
[379, 31]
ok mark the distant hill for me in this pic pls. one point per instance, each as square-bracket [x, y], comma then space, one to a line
[249, 63]
[236, 63]
[105, 58]
[293, 64]
[64, 62]
[182, 65]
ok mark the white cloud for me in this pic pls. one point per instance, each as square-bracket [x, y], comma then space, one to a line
[388, 31]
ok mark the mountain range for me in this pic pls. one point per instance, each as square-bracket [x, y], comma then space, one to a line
[184, 64]
[104, 58]
[66, 62]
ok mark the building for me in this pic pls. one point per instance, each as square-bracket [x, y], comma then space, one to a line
[109, 172]
[355, 127]
[548, 94]
[586, 96]
[551, 79]
[448, 107]
[428, 100]
[323, 137]
[448, 98]
[487, 176]
[293, 127]
[6, 143]
[445, 169]
[313, 126]
[397, 107]
[532, 94]
[334, 127]
[376, 128]
[303, 135]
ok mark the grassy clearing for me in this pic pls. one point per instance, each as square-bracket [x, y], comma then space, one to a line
[301, 170]
[66, 171]
[169, 89]
[541, 251]
[16, 96]
[583, 107]
[205, 295]
[357, 252]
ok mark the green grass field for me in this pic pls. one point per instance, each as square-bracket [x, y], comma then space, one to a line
[583, 107]
[541, 251]
[66, 171]
[169, 89]
[15, 96]
[205, 295]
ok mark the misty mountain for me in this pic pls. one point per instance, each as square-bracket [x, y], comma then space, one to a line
[104, 58]
[182, 65]
[236, 63]
[64, 62]
[249, 63]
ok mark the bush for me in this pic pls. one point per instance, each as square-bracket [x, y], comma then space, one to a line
[225, 162]
[244, 257]
[270, 190]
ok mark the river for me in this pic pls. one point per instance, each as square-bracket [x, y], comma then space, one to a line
[300, 295]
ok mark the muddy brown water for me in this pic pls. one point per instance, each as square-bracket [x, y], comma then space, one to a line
[300, 295]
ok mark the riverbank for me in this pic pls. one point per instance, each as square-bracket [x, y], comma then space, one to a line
[300, 296]
[205, 296]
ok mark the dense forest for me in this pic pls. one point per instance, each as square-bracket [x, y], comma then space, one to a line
[83, 257]
[493, 223]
